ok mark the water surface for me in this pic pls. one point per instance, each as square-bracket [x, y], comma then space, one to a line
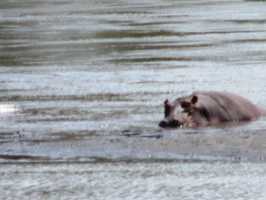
[84, 81]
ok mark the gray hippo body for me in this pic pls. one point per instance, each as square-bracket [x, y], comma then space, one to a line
[209, 109]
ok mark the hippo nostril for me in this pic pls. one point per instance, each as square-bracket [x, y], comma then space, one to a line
[175, 123]
[171, 124]
[163, 124]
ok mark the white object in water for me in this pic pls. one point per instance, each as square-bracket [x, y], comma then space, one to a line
[7, 108]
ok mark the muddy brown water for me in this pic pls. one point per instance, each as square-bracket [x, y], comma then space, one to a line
[83, 82]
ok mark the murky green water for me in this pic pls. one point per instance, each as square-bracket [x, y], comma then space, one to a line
[84, 81]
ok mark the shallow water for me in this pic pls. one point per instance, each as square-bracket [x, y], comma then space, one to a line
[134, 181]
[84, 81]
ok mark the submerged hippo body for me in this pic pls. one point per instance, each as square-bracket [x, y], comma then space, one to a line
[208, 109]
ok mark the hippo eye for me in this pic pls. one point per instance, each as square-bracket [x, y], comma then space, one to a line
[185, 104]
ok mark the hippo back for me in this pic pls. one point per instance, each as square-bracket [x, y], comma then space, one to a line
[224, 106]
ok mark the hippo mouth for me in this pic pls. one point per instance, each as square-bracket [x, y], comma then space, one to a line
[171, 124]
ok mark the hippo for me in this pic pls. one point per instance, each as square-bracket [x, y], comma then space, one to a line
[209, 108]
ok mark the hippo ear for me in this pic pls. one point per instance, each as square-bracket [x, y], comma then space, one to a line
[166, 102]
[194, 99]
[167, 108]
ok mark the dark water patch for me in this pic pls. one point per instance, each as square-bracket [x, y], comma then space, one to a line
[13, 59]
[57, 116]
[145, 24]
[9, 61]
[102, 97]
[54, 112]
[247, 21]
[142, 132]
[25, 159]
[11, 26]
[6, 5]
[243, 41]
[120, 114]
[253, 56]
[157, 160]
[133, 33]
[155, 136]
[52, 119]
[22, 157]
[76, 135]
[90, 97]
[256, 0]
[8, 91]
[129, 133]
[133, 132]
[63, 136]
[154, 59]
[122, 47]
[157, 82]
[162, 33]
[24, 137]
[115, 12]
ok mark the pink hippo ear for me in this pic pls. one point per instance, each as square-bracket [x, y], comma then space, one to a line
[194, 99]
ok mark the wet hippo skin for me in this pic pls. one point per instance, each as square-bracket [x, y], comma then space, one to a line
[209, 108]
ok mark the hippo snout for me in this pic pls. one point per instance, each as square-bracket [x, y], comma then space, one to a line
[169, 124]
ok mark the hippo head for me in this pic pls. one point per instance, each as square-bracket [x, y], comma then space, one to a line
[174, 118]
[170, 118]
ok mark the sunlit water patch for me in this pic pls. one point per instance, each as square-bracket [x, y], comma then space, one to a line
[7, 109]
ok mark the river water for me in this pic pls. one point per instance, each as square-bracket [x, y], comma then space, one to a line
[82, 85]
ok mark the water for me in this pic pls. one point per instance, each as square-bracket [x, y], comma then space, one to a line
[83, 82]
[134, 181]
